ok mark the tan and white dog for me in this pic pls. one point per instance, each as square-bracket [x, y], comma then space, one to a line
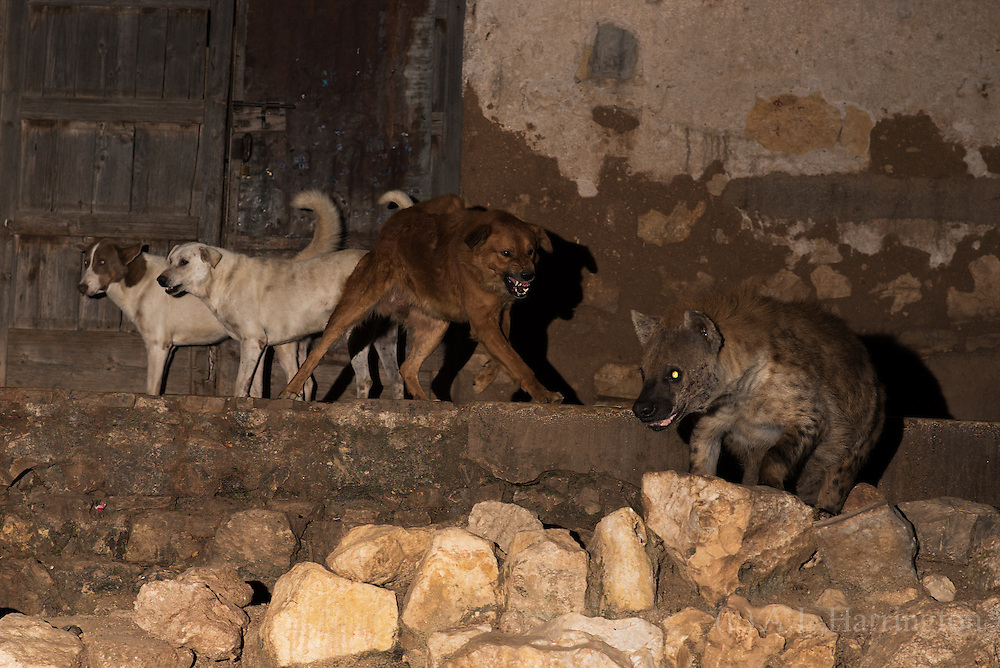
[128, 276]
[269, 301]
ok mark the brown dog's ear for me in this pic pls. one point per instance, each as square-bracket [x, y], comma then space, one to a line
[129, 253]
[478, 235]
[210, 255]
[544, 242]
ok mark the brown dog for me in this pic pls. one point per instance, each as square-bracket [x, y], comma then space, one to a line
[437, 263]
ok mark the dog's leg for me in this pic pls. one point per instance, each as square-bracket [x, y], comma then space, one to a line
[489, 372]
[362, 374]
[251, 351]
[427, 333]
[361, 292]
[387, 347]
[157, 355]
[486, 330]
[288, 357]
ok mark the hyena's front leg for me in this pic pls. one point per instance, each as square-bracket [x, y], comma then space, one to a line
[797, 440]
[706, 443]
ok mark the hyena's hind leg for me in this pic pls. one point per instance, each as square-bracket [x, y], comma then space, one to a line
[839, 479]
[785, 457]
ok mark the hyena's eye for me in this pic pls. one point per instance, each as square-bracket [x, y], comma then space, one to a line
[672, 375]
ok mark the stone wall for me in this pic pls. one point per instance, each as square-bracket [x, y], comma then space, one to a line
[847, 153]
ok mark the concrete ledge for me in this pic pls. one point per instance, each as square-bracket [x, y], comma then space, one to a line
[184, 446]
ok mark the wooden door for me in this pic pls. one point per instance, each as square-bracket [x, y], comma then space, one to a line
[112, 124]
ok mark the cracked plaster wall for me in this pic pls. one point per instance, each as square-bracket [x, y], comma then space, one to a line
[848, 152]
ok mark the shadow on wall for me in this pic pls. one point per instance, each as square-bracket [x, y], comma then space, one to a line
[911, 390]
[556, 293]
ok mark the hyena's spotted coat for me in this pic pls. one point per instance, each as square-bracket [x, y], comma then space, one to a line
[787, 388]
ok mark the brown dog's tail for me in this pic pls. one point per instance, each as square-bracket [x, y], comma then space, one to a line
[329, 231]
[397, 197]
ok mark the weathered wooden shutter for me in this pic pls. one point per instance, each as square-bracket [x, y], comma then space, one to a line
[112, 124]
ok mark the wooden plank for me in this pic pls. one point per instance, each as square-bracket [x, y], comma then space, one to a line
[210, 187]
[46, 276]
[60, 64]
[38, 158]
[184, 68]
[151, 226]
[123, 47]
[103, 361]
[115, 146]
[14, 37]
[165, 160]
[74, 187]
[151, 55]
[33, 74]
[120, 111]
[93, 33]
[118, 4]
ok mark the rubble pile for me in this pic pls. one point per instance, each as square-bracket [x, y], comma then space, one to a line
[705, 573]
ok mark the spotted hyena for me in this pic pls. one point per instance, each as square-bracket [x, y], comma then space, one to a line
[786, 387]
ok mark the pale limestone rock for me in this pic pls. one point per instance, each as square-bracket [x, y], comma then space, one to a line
[684, 637]
[114, 641]
[624, 570]
[456, 584]
[443, 644]
[257, 543]
[940, 587]
[947, 527]
[498, 522]
[316, 615]
[545, 576]
[871, 549]
[637, 639]
[499, 651]
[29, 642]
[224, 583]
[926, 633]
[189, 614]
[724, 536]
[734, 642]
[386, 556]
[769, 635]
[572, 640]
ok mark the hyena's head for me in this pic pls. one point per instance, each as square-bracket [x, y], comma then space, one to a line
[679, 367]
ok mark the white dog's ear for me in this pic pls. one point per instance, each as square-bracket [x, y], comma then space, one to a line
[211, 255]
[644, 326]
[172, 251]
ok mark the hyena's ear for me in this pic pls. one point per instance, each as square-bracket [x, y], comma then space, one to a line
[702, 325]
[644, 326]
[210, 255]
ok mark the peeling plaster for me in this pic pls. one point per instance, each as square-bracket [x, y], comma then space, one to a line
[939, 240]
[984, 300]
[903, 291]
[830, 283]
[658, 228]
[700, 67]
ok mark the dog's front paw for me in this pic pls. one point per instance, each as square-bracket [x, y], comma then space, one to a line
[550, 398]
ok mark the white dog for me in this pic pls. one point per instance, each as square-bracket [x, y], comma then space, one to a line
[268, 301]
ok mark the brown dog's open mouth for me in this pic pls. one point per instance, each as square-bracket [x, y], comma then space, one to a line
[516, 287]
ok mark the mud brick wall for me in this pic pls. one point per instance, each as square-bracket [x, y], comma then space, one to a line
[102, 445]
